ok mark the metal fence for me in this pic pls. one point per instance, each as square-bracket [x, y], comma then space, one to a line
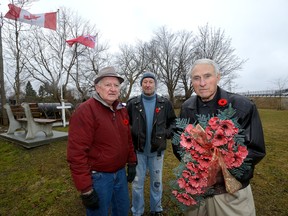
[266, 93]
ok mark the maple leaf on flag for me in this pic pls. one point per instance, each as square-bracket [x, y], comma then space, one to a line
[46, 20]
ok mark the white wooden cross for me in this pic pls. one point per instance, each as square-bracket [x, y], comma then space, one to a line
[63, 107]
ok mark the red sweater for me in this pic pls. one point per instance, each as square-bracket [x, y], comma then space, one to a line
[99, 139]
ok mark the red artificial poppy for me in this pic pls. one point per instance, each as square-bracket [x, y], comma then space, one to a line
[125, 122]
[157, 110]
[222, 102]
[205, 149]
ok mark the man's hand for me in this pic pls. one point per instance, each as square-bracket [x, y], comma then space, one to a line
[131, 172]
[90, 200]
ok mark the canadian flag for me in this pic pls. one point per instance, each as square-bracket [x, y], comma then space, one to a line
[46, 20]
[86, 40]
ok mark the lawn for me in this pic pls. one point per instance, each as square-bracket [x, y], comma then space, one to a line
[38, 182]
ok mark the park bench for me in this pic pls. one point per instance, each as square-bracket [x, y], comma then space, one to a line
[28, 117]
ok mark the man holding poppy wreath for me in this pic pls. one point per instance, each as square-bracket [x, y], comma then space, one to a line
[99, 148]
[210, 99]
[152, 120]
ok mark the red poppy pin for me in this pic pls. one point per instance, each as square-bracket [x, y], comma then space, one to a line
[125, 122]
[157, 110]
[222, 102]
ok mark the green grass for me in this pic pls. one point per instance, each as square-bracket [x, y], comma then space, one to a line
[270, 183]
[38, 181]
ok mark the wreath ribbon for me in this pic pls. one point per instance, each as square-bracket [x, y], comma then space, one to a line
[217, 163]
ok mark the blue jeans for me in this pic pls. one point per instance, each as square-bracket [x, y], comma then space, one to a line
[155, 166]
[112, 190]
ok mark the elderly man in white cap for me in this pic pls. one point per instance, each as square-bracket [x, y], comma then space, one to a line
[99, 148]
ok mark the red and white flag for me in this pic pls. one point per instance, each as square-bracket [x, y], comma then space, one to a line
[46, 20]
[86, 40]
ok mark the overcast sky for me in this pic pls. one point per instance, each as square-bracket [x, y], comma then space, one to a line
[258, 28]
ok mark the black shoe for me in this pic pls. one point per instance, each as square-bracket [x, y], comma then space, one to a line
[156, 214]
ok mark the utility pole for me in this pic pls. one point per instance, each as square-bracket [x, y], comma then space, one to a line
[2, 86]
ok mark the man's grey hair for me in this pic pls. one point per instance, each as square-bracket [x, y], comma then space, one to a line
[204, 61]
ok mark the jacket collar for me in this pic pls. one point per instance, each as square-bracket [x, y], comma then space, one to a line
[116, 105]
[221, 94]
[159, 99]
[139, 105]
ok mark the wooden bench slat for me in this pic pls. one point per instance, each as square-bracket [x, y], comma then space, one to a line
[19, 112]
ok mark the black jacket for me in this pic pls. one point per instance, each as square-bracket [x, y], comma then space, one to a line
[248, 118]
[163, 123]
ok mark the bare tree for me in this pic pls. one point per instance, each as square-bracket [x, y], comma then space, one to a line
[186, 56]
[3, 114]
[43, 56]
[213, 44]
[131, 61]
[280, 84]
[14, 43]
[96, 59]
[171, 54]
[50, 60]
[53, 63]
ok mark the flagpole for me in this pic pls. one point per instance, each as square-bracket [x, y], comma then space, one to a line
[62, 107]
[2, 82]
[97, 47]
[61, 67]
[61, 83]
